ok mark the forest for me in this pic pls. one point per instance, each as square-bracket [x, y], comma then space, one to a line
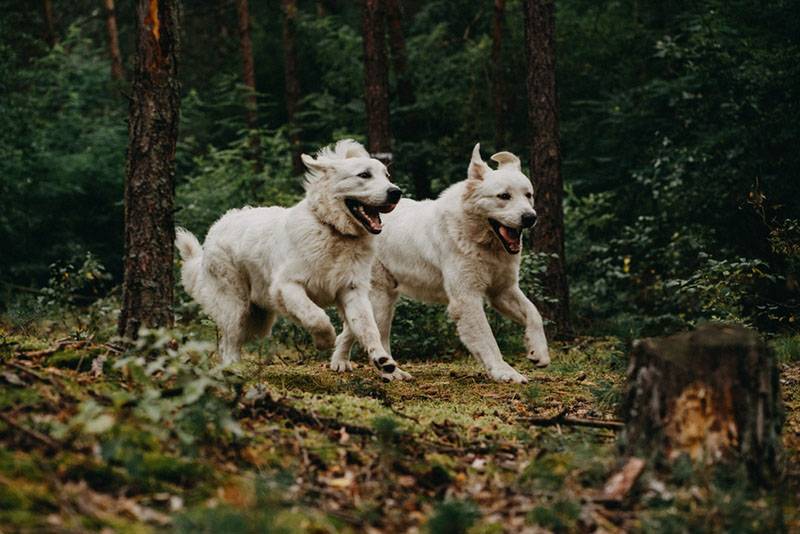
[661, 141]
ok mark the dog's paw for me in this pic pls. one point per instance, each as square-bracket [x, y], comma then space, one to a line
[389, 369]
[507, 374]
[341, 366]
[539, 360]
[397, 374]
[324, 339]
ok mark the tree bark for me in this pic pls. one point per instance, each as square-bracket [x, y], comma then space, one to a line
[397, 44]
[498, 76]
[49, 23]
[117, 71]
[249, 80]
[292, 83]
[150, 170]
[712, 394]
[546, 159]
[376, 80]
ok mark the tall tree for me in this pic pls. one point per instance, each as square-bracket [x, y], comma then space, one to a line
[249, 79]
[117, 72]
[49, 23]
[292, 84]
[150, 170]
[376, 80]
[397, 45]
[546, 156]
[498, 75]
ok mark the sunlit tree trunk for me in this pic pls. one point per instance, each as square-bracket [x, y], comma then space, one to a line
[376, 80]
[150, 170]
[49, 23]
[498, 76]
[117, 72]
[249, 79]
[546, 157]
[292, 83]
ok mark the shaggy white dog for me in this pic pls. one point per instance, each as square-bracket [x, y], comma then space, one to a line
[259, 262]
[459, 250]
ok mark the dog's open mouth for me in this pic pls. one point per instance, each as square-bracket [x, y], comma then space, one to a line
[509, 237]
[368, 216]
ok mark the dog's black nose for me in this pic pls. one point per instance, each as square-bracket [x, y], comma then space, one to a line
[393, 195]
[528, 220]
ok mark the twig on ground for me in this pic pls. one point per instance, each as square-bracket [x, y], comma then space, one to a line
[561, 418]
[38, 436]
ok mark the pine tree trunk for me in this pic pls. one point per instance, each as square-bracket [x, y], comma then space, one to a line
[397, 44]
[117, 71]
[49, 23]
[150, 170]
[712, 394]
[498, 76]
[292, 83]
[546, 158]
[249, 80]
[376, 80]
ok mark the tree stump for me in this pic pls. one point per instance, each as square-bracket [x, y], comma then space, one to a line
[712, 394]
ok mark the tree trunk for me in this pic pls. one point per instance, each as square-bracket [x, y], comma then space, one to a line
[546, 158]
[498, 76]
[150, 170]
[49, 23]
[291, 81]
[249, 80]
[117, 72]
[397, 44]
[712, 394]
[376, 81]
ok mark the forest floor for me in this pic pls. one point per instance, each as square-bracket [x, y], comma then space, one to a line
[96, 437]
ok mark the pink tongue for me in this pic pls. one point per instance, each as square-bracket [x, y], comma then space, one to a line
[375, 223]
[513, 242]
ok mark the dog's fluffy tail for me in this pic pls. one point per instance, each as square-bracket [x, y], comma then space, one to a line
[192, 255]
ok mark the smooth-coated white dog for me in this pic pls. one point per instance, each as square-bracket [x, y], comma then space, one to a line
[459, 250]
[260, 262]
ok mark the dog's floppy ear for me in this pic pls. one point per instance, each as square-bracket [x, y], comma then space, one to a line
[352, 149]
[312, 164]
[507, 159]
[477, 167]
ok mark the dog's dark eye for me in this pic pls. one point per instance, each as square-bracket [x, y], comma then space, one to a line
[529, 195]
[364, 174]
[504, 196]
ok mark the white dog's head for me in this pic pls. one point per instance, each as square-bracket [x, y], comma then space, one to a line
[348, 189]
[503, 197]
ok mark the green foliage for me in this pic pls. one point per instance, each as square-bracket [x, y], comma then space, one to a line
[559, 516]
[453, 517]
[61, 158]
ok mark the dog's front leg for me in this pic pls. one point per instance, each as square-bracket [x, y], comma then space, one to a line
[515, 305]
[294, 301]
[476, 334]
[357, 310]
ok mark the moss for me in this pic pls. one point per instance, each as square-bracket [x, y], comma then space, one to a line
[78, 360]
[173, 470]
[13, 397]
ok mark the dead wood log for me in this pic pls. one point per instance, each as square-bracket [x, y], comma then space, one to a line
[712, 394]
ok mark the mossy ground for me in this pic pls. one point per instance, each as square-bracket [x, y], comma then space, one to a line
[347, 452]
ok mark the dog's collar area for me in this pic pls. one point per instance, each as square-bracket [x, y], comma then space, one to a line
[511, 238]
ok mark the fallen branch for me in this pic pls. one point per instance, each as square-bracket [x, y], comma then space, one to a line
[621, 482]
[38, 436]
[561, 418]
[61, 345]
